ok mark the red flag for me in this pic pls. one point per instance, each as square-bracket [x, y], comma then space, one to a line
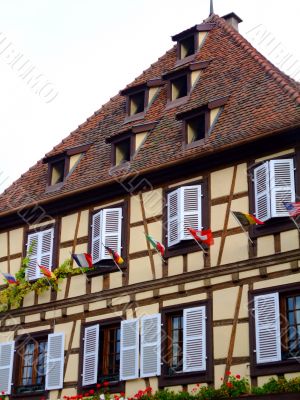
[45, 271]
[204, 236]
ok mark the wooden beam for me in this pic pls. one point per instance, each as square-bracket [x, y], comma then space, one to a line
[68, 284]
[8, 252]
[224, 234]
[233, 332]
[150, 254]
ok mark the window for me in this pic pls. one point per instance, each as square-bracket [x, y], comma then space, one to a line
[186, 350]
[123, 151]
[57, 172]
[106, 231]
[112, 350]
[137, 103]
[179, 87]
[183, 212]
[40, 247]
[276, 323]
[32, 364]
[196, 128]
[187, 47]
[274, 183]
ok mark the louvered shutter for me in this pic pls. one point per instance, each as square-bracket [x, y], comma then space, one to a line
[46, 248]
[96, 237]
[111, 231]
[32, 271]
[267, 328]
[6, 366]
[150, 345]
[90, 355]
[194, 339]
[173, 217]
[129, 357]
[55, 361]
[262, 192]
[190, 210]
[282, 185]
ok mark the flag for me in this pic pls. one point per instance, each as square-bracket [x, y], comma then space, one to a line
[10, 279]
[157, 246]
[83, 260]
[246, 219]
[116, 256]
[292, 208]
[45, 271]
[204, 236]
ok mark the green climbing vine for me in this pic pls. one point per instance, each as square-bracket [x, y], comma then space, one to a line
[13, 294]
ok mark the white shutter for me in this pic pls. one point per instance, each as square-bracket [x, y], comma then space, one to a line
[129, 357]
[33, 271]
[194, 339]
[150, 345]
[282, 185]
[55, 361]
[90, 355]
[111, 231]
[6, 366]
[46, 249]
[190, 210]
[267, 328]
[173, 217]
[96, 237]
[262, 192]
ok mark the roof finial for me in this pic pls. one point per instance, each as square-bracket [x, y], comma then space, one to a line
[211, 7]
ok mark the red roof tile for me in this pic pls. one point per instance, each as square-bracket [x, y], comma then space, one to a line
[262, 99]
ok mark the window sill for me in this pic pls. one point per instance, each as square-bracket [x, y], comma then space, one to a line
[281, 367]
[30, 395]
[184, 247]
[185, 378]
[197, 143]
[103, 268]
[274, 225]
[177, 102]
[135, 117]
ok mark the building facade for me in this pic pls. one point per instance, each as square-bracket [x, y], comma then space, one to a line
[211, 127]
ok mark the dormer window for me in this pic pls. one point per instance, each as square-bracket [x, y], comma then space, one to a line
[122, 151]
[187, 47]
[190, 41]
[62, 165]
[196, 128]
[179, 87]
[57, 172]
[137, 103]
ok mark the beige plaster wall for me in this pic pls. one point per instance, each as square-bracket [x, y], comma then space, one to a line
[16, 240]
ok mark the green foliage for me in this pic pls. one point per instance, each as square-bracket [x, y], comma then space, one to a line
[12, 296]
[280, 385]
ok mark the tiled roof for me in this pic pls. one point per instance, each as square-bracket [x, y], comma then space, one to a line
[262, 100]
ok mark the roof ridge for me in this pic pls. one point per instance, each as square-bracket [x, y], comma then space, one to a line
[283, 80]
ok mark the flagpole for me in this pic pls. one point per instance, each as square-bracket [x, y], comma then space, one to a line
[297, 226]
[116, 264]
[246, 233]
[158, 252]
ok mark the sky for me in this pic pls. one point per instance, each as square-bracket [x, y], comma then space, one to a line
[60, 60]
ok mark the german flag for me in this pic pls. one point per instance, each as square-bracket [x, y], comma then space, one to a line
[246, 219]
[116, 256]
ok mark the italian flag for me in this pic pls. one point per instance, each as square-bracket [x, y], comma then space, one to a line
[160, 248]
